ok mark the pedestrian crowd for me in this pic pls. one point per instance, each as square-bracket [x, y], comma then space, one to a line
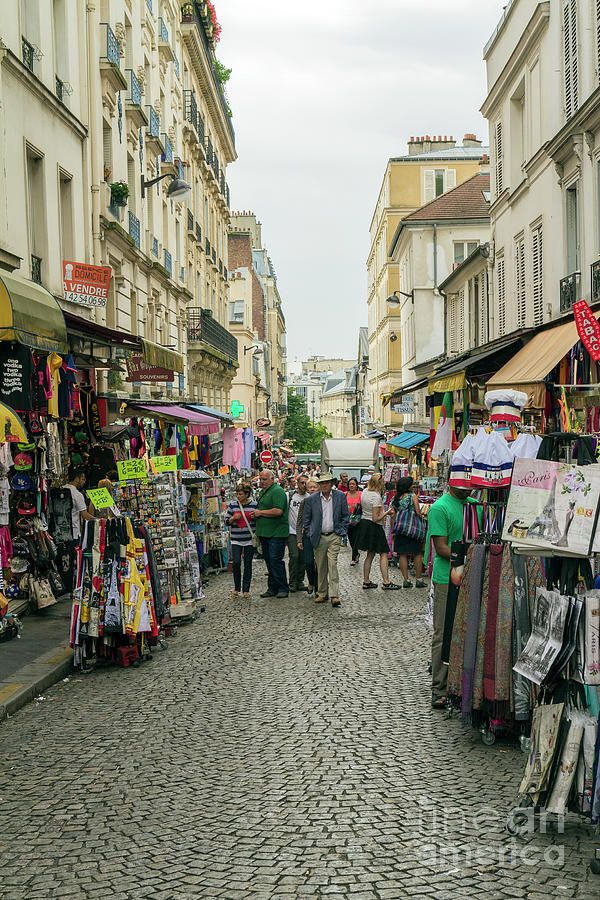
[312, 514]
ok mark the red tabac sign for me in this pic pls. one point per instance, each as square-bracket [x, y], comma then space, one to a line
[86, 284]
[138, 370]
[588, 328]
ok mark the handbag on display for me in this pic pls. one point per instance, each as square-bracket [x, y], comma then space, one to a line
[56, 582]
[409, 524]
[40, 592]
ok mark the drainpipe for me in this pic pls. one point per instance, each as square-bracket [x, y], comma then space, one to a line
[95, 142]
[435, 275]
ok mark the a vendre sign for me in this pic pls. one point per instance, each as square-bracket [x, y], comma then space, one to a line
[86, 284]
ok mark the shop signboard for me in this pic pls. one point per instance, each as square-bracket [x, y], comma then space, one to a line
[140, 371]
[588, 328]
[85, 284]
[362, 417]
[101, 498]
[236, 409]
[263, 423]
[130, 469]
[266, 457]
[429, 483]
[162, 464]
[407, 405]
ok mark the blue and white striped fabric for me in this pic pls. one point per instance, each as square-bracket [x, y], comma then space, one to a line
[241, 536]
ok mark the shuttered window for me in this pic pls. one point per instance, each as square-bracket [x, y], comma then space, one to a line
[537, 262]
[598, 38]
[520, 282]
[499, 158]
[501, 296]
[456, 322]
[482, 306]
[436, 182]
[428, 185]
[451, 177]
[571, 74]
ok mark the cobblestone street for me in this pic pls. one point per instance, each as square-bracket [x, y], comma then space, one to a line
[276, 749]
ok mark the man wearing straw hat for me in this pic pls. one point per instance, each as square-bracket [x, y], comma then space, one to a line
[326, 519]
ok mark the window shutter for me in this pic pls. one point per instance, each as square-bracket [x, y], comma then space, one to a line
[538, 269]
[460, 301]
[501, 298]
[451, 175]
[499, 159]
[482, 311]
[520, 283]
[428, 185]
[571, 74]
[107, 145]
[452, 325]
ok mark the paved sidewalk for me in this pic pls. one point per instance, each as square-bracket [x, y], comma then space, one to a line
[275, 749]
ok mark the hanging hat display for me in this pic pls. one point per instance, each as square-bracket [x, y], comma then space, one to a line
[505, 405]
[492, 462]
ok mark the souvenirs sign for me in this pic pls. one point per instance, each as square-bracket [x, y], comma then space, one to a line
[138, 370]
[164, 463]
[588, 328]
[100, 497]
[131, 468]
[86, 284]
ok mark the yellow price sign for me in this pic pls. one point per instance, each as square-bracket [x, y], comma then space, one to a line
[100, 497]
[164, 463]
[131, 468]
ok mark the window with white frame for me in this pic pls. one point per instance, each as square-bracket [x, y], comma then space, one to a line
[520, 294]
[570, 57]
[463, 249]
[501, 293]
[436, 182]
[537, 272]
[236, 311]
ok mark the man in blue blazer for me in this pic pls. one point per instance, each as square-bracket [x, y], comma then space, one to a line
[326, 519]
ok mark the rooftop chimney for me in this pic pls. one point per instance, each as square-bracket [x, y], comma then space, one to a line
[428, 144]
[470, 140]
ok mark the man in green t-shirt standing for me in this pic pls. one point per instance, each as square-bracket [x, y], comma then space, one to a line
[272, 527]
[445, 524]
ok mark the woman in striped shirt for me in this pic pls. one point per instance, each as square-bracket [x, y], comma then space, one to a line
[241, 537]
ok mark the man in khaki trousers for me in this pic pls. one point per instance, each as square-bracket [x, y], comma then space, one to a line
[326, 519]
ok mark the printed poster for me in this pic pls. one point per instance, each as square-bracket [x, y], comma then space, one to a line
[552, 506]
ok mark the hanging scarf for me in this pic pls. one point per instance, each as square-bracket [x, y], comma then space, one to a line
[503, 649]
[489, 656]
[472, 624]
[457, 560]
[478, 673]
[520, 635]
[457, 645]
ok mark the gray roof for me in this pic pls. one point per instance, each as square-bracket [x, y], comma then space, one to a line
[450, 153]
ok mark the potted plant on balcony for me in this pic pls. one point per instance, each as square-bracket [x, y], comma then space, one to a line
[187, 12]
[119, 192]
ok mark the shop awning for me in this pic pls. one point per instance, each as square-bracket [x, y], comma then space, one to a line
[200, 424]
[529, 367]
[408, 389]
[163, 357]
[209, 411]
[31, 315]
[453, 376]
[408, 439]
[89, 330]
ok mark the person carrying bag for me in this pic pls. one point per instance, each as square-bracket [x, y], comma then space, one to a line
[243, 538]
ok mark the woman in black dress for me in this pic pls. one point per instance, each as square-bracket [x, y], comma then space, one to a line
[405, 546]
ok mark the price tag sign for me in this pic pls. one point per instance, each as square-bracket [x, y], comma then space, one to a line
[131, 468]
[224, 470]
[100, 497]
[164, 463]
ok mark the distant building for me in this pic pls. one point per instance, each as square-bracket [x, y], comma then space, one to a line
[310, 389]
[338, 402]
[323, 365]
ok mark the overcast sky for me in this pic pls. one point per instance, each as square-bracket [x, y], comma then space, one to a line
[322, 95]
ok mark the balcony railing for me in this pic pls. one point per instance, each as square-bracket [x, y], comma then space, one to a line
[167, 156]
[190, 221]
[202, 327]
[155, 243]
[207, 247]
[149, 5]
[163, 33]
[181, 168]
[198, 233]
[36, 269]
[27, 53]
[209, 151]
[176, 66]
[200, 128]
[113, 48]
[569, 290]
[60, 89]
[190, 108]
[153, 121]
[222, 181]
[134, 229]
[220, 266]
[227, 194]
[215, 166]
[214, 255]
[135, 88]
[225, 272]
[169, 263]
[595, 281]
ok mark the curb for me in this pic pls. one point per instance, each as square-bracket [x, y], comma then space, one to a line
[33, 678]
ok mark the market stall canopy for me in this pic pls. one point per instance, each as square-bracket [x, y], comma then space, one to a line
[398, 393]
[529, 367]
[163, 357]
[348, 453]
[119, 432]
[209, 411]
[453, 375]
[30, 315]
[199, 423]
[408, 439]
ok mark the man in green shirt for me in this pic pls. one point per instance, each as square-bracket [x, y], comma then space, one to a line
[272, 527]
[445, 524]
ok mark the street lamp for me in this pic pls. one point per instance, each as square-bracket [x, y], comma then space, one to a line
[176, 190]
[393, 300]
[313, 418]
[257, 351]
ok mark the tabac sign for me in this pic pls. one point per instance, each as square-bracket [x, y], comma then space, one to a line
[85, 284]
[588, 328]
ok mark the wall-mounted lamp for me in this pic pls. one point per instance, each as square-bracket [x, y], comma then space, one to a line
[393, 300]
[393, 337]
[176, 190]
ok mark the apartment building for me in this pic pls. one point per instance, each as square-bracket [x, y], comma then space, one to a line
[253, 270]
[98, 100]
[431, 167]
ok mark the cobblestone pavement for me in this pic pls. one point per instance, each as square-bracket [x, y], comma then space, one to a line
[276, 749]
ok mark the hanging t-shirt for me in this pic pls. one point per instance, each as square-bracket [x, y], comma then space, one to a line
[79, 505]
[68, 379]
[41, 386]
[16, 373]
[232, 447]
[249, 446]
[54, 366]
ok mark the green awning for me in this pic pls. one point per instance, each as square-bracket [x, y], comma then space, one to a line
[163, 357]
[30, 315]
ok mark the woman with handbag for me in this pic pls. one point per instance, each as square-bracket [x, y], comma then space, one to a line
[243, 538]
[409, 531]
[353, 494]
[371, 535]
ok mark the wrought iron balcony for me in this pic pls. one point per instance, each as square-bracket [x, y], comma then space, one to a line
[595, 281]
[202, 327]
[163, 33]
[209, 151]
[198, 233]
[28, 54]
[569, 290]
[149, 4]
[135, 88]
[214, 255]
[153, 121]
[169, 263]
[190, 221]
[227, 195]
[207, 247]
[215, 167]
[190, 108]
[60, 89]
[167, 156]
[200, 128]
[113, 48]
[36, 269]
[181, 169]
[225, 276]
[222, 182]
[176, 66]
[155, 245]
[220, 266]
[134, 229]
